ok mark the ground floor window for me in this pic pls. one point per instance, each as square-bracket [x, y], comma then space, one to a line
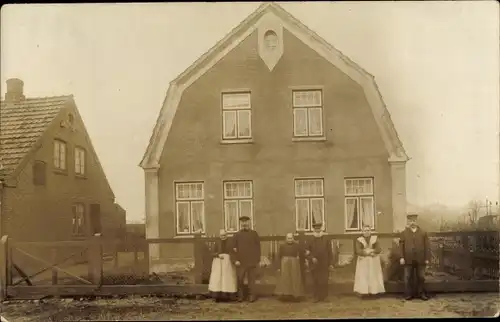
[190, 208]
[238, 201]
[359, 203]
[309, 204]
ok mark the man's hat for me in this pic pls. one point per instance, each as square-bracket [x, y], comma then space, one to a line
[317, 225]
[244, 218]
[412, 216]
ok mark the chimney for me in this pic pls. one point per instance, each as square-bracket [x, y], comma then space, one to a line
[14, 90]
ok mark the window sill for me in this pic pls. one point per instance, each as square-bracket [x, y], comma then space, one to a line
[81, 176]
[61, 172]
[308, 233]
[236, 141]
[309, 139]
[187, 236]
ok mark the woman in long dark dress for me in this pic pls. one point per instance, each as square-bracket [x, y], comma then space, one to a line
[290, 283]
[222, 284]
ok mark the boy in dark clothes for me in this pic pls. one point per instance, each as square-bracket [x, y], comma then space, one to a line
[320, 256]
[246, 257]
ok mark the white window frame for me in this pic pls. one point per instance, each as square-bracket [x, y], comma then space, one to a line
[78, 222]
[189, 201]
[358, 196]
[237, 111]
[310, 198]
[238, 200]
[308, 108]
[60, 155]
[80, 161]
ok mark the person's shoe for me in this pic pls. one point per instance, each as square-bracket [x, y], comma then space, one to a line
[315, 300]
[424, 297]
[408, 298]
[252, 299]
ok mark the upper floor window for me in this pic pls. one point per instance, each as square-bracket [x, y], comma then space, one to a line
[236, 116]
[309, 204]
[307, 113]
[60, 154]
[359, 203]
[79, 161]
[190, 207]
[78, 219]
[238, 201]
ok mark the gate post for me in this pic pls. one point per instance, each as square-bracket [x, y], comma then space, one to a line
[4, 267]
[95, 259]
[198, 258]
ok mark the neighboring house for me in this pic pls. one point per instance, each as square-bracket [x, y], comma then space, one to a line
[52, 186]
[273, 123]
[136, 230]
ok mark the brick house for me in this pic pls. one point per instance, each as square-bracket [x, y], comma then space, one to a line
[52, 186]
[274, 123]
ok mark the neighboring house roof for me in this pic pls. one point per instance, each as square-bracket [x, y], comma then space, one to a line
[390, 137]
[22, 124]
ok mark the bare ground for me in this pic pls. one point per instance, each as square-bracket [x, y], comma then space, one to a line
[138, 308]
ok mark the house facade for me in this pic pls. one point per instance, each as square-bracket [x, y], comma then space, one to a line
[276, 124]
[52, 186]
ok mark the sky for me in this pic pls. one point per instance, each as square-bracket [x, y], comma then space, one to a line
[436, 65]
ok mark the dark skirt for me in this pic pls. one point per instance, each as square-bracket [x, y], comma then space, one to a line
[290, 278]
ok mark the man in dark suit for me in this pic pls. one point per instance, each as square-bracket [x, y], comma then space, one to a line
[415, 256]
[320, 256]
[246, 257]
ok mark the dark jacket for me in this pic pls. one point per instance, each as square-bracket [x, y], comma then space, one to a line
[321, 249]
[223, 247]
[415, 246]
[246, 246]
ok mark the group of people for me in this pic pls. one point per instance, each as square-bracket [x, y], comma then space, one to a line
[237, 260]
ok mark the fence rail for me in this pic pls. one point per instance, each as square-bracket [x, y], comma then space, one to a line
[460, 261]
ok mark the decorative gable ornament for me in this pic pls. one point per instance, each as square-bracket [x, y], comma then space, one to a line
[270, 31]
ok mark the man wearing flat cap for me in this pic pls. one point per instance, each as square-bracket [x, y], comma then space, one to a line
[246, 257]
[415, 256]
[320, 257]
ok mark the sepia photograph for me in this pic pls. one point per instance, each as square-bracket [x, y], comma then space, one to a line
[249, 160]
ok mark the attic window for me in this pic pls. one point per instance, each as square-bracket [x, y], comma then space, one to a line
[270, 40]
[71, 119]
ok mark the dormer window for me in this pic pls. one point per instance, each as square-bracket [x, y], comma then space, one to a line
[271, 40]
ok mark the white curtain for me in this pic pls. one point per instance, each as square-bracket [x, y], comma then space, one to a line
[300, 121]
[317, 210]
[230, 124]
[315, 121]
[183, 217]
[302, 209]
[231, 208]
[197, 216]
[351, 213]
[366, 210]
[244, 123]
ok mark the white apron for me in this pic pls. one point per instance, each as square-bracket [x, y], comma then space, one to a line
[223, 275]
[369, 278]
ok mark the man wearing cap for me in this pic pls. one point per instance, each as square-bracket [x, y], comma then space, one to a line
[246, 257]
[320, 256]
[415, 256]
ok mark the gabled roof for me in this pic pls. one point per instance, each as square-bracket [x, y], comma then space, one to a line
[158, 139]
[22, 124]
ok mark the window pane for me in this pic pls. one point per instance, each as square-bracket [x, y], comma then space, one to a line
[236, 100]
[62, 153]
[317, 211]
[307, 98]
[248, 189]
[302, 214]
[300, 122]
[183, 217]
[229, 124]
[244, 124]
[367, 211]
[230, 190]
[246, 209]
[197, 213]
[56, 154]
[231, 214]
[351, 212]
[315, 121]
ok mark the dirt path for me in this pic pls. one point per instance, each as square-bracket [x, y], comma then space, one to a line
[449, 305]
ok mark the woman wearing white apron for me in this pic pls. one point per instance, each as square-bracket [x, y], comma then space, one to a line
[369, 278]
[222, 284]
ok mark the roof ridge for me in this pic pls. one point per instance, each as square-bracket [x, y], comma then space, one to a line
[41, 98]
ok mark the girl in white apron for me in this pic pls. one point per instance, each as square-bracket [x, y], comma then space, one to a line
[369, 278]
[222, 284]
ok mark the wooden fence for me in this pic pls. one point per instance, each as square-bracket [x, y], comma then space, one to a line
[461, 261]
